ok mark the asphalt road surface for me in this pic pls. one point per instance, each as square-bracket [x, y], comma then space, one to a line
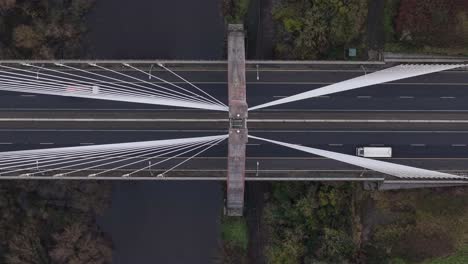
[439, 96]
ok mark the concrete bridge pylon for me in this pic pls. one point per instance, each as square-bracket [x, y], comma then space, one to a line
[238, 120]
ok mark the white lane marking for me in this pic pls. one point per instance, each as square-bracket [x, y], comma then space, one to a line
[442, 121]
[263, 110]
[458, 145]
[335, 145]
[406, 97]
[252, 144]
[447, 97]
[46, 143]
[418, 145]
[109, 120]
[219, 131]
[363, 97]
[339, 110]
[327, 83]
[28, 95]
[6, 143]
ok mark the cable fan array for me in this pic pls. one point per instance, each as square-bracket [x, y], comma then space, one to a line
[397, 170]
[387, 75]
[132, 157]
[106, 84]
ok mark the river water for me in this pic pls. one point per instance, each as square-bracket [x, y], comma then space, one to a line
[160, 222]
[156, 29]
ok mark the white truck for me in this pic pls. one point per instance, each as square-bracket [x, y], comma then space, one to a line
[374, 152]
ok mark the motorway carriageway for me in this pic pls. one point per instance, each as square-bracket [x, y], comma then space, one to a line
[411, 134]
[429, 145]
[444, 91]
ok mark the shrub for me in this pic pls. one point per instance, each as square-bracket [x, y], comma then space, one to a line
[26, 37]
[335, 246]
[234, 232]
[312, 28]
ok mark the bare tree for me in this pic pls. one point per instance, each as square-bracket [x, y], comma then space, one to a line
[79, 244]
[25, 247]
[6, 5]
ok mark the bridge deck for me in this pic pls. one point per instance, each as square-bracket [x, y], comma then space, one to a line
[238, 115]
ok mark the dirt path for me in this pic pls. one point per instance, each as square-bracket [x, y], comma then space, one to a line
[375, 29]
[260, 30]
[255, 201]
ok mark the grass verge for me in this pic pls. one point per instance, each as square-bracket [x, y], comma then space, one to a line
[234, 232]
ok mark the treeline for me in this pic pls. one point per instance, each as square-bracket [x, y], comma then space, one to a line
[53, 222]
[42, 29]
[318, 29]
[431, 26]
[309, 223]
[234, 11]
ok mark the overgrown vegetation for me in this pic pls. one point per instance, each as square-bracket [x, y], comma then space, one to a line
[53, 222]
[419, 225]
[430, 26]
[234, 235]
[234, 11]
[461, 257]
[319, 29]
[42, 29]
[49, 222]
[319, 223]
[309, 222]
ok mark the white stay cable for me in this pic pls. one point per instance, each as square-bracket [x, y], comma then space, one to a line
[140, 148]
[116, 88]
[72, 91]
[139, 161]
[155, 143]
[123, 87]
[191, 84]
[193, 156]
[163, 89]
[397, 170]
[150, 151]
[146, 100]
[152, 165]
[72, 152]
[167, 82]
[190, 95]
[387, 75]
[153, 100]
[53, 163]
[63, 158]
[121, 81]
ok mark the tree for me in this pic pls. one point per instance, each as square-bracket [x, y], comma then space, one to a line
[6, 5]
[335, 246]
[289, 250]
[79, 244]
[80, 7]
[431, 22]
[312, 28]
[26, 37]
[26, 247]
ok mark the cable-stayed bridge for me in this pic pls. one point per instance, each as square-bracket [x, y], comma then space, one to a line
[207, 135]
